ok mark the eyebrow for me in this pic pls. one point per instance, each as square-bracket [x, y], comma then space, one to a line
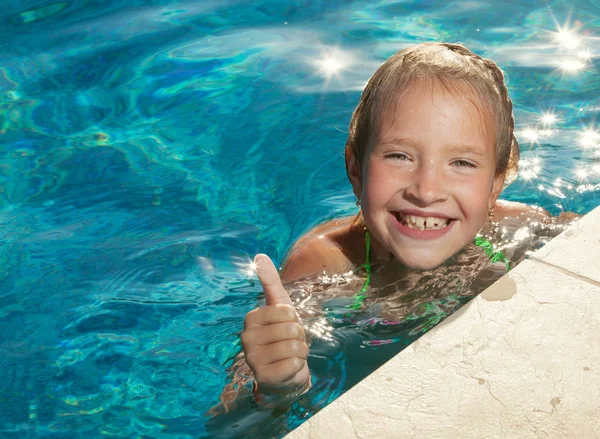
[468, 150]
[397, 141]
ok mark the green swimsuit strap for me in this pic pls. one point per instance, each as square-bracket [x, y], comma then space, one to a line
[480, 241]
[358, 299]
[494, 256]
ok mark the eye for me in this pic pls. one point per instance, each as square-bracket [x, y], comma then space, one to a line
[398, 156]
[464, 164]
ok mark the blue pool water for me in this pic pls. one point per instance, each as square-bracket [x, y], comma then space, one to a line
[149, 149]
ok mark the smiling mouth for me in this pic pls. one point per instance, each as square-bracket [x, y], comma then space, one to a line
[422, 222]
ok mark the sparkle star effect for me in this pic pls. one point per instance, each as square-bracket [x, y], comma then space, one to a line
[548, 118]
[567, 38]
[589, 138]
[572, 65]
[573, 57]
[331, 62]
[252, 268]
[582, 174]
[245, 265]
[336, 67]
[530, 168]
[532, 135]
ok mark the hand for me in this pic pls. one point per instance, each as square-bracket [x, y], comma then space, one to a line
[273, 340]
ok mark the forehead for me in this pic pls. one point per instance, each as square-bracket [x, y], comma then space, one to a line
[444, 111]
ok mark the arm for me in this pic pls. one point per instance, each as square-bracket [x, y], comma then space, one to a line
[274, 350]
[512, 209]
[314, 253]
[511, 217]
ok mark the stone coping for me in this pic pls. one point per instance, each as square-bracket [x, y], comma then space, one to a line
[521, 360]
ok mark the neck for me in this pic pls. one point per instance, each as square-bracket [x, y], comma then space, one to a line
[382, 259]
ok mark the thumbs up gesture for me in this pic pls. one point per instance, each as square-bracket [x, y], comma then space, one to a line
[274, 342]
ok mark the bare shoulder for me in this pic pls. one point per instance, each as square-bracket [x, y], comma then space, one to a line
[512, 209]
[328, 248]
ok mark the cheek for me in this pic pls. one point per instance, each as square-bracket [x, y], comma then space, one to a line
[380, 184]
[474, 198]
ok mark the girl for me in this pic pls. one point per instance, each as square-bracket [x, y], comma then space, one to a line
[430, 148]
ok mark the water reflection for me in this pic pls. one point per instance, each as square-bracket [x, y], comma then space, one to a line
[147, 151]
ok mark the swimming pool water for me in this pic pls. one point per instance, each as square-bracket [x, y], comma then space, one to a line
[149, 149]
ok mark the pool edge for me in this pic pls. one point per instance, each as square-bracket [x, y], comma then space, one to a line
[511, 363]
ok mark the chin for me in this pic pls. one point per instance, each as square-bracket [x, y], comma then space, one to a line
[424, 266]
[421, 263]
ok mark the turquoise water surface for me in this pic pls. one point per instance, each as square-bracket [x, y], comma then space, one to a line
[149, 149]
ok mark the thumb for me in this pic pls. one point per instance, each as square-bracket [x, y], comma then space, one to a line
[275, 294]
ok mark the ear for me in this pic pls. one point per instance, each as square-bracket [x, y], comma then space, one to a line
[354, 172]
[496, 189]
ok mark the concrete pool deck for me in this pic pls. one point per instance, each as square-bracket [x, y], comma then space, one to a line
[521, 360]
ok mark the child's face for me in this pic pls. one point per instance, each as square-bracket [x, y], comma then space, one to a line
[429, 181]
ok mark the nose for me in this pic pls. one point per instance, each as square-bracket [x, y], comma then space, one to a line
[428, 185]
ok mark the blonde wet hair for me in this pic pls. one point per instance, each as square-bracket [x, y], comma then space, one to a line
[451, 65]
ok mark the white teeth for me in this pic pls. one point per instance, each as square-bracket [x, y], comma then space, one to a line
[423, 223]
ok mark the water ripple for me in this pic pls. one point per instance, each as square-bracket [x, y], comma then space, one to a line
[151, 149]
